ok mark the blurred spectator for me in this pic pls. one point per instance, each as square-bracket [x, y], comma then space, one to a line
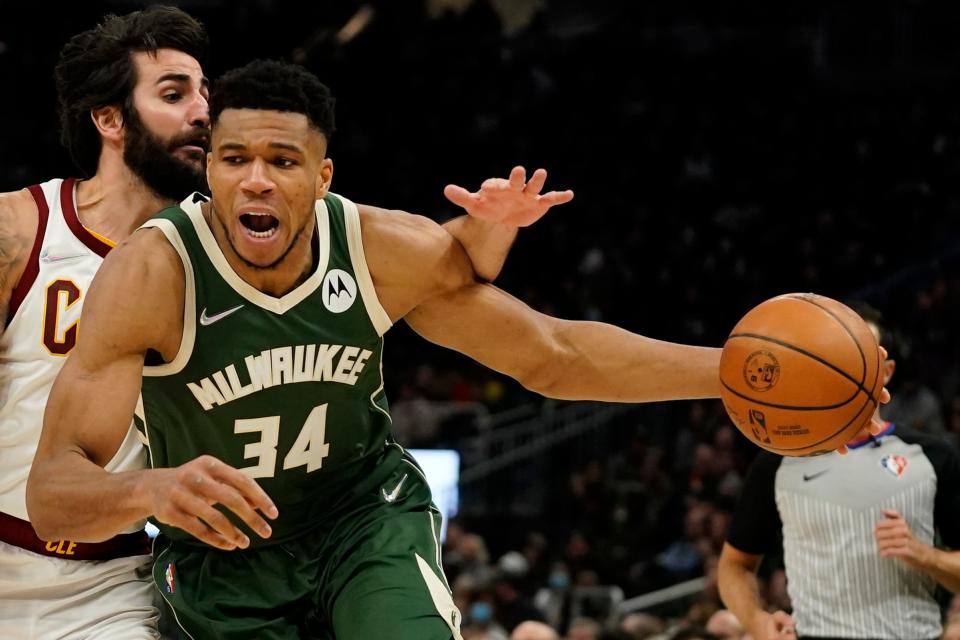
[584, 629]
[533, 630]
[725, 626]
[641, 626]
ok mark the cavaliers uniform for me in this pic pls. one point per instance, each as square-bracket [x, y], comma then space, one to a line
[290, 391]
[59, 588]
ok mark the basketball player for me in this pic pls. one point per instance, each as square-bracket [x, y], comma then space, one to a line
[133, 110]
[844, 523]
[256, 320]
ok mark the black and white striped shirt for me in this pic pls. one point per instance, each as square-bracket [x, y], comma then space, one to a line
[827, 508]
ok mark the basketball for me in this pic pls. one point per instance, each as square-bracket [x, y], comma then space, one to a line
[800, 374]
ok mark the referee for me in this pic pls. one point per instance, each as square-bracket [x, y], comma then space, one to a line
[858, 534]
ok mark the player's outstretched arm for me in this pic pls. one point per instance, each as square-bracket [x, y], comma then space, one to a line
[495, 212]
[135, 304]
[420, 273]
[564, 359]
[737, 580]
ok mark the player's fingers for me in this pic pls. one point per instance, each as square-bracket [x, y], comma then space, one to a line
[553, 198]
[457, 195]
[842, 449]
[247, 486]
[884, 396]
[891, 513]
[536, 182]
[518, 178]
[494, 184]
[231, 499]
[216, 521]
[199, 529]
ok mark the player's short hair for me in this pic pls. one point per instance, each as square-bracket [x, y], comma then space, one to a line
[276, 86]
[96, 69]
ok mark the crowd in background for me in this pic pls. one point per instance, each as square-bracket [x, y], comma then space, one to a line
[719, 158]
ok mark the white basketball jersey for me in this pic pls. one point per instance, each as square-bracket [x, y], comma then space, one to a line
[42, 329]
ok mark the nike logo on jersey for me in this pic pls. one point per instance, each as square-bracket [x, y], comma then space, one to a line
[390, 497]
[206, 320]
[48, 257]
[808, 478]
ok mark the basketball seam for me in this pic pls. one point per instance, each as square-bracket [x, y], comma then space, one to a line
[863, 357]
[870, 400]
[790, 407]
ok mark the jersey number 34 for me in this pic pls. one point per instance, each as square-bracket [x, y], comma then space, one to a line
[309, 448]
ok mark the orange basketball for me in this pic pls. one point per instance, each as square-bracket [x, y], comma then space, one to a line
[800, 374]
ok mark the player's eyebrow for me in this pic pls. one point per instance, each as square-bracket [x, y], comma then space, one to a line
[238, 146]
[181, 77]
[285, 145]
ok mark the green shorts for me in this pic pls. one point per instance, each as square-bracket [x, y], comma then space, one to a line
[374, 573]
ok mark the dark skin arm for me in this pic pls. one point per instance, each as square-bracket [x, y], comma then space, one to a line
[135, 304]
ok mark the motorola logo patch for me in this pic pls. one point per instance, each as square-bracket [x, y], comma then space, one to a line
[338, 291]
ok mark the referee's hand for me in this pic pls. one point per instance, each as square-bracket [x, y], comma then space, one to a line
[773, 626]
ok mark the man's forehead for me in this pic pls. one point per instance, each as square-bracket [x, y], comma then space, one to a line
[152, 65]
[251, 123]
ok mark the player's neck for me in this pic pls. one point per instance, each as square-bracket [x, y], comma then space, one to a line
[115, 202]
[278, 280]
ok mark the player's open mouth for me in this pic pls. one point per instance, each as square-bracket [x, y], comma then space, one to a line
[259, 225]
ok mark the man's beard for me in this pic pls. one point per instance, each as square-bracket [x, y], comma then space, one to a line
[153, 161]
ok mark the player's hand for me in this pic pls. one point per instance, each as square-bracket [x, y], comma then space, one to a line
[773, 626]
[514, 202]
[183, 497]
[895, 540]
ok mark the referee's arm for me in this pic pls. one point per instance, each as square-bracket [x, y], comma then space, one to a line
[896, 540]
[737, 577]
[755, 528]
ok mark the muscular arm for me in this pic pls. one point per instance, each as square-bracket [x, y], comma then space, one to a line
[18, 228]
[487, 244]
[564, 359]
[135, 304]
[69, 494]
[421, 274]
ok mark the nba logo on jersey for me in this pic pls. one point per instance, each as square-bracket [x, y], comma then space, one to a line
[339, 290]
[168, 575]
[894, 464]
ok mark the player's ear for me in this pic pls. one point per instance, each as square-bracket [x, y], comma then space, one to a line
[889, 366]
[324, 177]
[109, 122]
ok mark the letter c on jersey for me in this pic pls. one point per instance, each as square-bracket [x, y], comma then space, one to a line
[60, 296]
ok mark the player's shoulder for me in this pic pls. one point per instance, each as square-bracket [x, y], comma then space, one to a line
[397, 224]
[935, 447]
[145, 256]
[18, 212]
[926, 440]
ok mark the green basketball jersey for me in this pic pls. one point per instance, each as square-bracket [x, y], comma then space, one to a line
[289, 389]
